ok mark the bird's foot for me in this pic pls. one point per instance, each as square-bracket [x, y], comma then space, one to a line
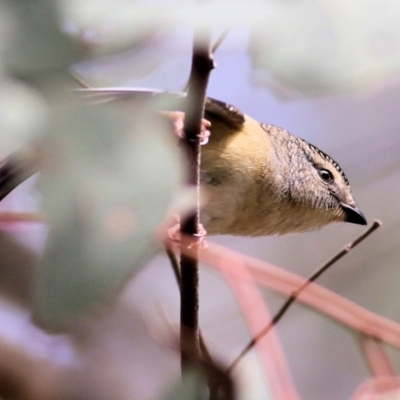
[174, 235]
[178, 119]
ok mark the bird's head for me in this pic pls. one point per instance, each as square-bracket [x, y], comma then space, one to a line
[315, 187]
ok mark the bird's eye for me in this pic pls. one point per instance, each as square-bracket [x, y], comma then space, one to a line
[325, 175]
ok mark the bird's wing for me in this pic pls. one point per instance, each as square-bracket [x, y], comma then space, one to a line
[228, 113]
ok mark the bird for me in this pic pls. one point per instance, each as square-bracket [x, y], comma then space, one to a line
[258, 179]
[262, 180]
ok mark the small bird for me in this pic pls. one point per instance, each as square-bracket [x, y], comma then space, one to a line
[258, 178]
[261, 180]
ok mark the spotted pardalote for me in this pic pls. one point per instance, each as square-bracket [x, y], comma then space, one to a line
[262, 180]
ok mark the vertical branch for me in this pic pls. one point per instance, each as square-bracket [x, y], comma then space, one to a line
[202, 64]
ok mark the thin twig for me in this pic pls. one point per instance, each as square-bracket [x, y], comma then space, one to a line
[174, 264]
[79, 81]
[214, 48]
[301, 288]
[220, 39]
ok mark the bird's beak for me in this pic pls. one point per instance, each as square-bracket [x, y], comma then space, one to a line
[353, 214]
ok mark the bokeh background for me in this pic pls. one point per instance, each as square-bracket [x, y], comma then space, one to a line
[360, 130]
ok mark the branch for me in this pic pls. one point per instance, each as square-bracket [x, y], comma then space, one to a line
[302, 287]
[376, 357]
[350, 315]
[220, 39]
[202, 64]
[256, 313]
[79, 81]
[206, 355]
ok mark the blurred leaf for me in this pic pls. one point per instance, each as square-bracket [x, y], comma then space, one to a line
[107, 182]
[321, 47]
[128, 66]
[108, 25]
[192, 387]
[23, 116]
[36, 43]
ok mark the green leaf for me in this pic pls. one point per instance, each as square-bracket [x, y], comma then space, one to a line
[107, 183]
[23, 116]
[318, 47]
[109, 26]
[36, 43]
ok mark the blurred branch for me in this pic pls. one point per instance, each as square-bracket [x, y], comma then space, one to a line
[22, 216]
[220, 39]
[381, 388]
[255, 312]
[79, 80]
[330, 304]
[16, 168]
[174, 264]
[202, 64]
[346, 249]
[378, 361]
[223, 385]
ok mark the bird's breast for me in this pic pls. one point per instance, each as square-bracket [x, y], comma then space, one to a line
[237, 178]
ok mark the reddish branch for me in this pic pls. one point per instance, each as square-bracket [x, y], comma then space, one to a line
[377, 359]
[330, 304]
[257, 315]
[315, 296]
[286, 305]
